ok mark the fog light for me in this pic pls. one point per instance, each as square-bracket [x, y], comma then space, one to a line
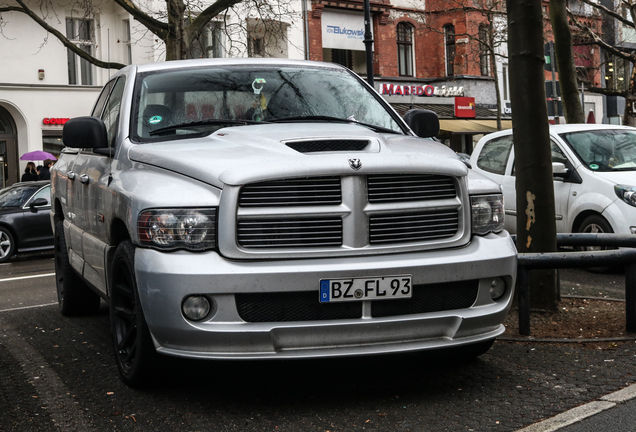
[497, 288]
[196, 307]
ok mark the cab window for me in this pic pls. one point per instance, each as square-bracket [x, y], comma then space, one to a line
[99, 106]
[110, 116]
[494, 155]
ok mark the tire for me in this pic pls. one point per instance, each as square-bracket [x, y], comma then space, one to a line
[74, 297]
[7, 245]
[135, 353]
[596, 224]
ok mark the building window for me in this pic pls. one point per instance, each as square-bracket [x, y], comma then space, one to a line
[126, 41]
[484, 50]
[209, 43]
[80, 32]
[405, 49]
[449, 40]
[52, 142]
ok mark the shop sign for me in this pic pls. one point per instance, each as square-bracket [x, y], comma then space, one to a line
[427, 90]
[343, 30]
[465, 107]
[55, 121]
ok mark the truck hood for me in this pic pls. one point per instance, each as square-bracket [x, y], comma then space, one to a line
[246, 154]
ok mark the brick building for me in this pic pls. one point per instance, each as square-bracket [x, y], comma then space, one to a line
[423, 58]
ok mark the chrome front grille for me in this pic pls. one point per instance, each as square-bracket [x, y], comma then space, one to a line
[410, 227]
[404, 188]
[295, 192]
[353, 214]
[288, 232]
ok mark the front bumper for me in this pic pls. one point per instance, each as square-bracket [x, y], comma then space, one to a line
[165, 279]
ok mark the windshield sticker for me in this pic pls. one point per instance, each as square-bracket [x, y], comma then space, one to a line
[155, 119]
[594, 166]
[258, 85]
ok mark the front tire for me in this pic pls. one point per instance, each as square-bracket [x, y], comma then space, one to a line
[74, 297]
[135, 353]
[7, 245]
[596, 224]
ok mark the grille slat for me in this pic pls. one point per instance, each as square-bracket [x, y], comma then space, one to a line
[296, 192]
[401, 227]
[286, 232]
[407, 188]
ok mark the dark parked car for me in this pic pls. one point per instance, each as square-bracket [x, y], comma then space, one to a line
[25, 223]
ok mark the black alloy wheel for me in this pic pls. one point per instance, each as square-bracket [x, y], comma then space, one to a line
[7, 245]
[134, 351]
[74, 297]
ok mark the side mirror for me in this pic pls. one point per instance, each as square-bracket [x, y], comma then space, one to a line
[424, 123]
[85, 132]
[38, 202]
[559, 170]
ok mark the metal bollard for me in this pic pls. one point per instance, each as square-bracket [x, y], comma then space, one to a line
[630, 297]
[523, 285]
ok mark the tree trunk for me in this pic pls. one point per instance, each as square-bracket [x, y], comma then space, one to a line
[565, 62]
[493, 63]
[536, 227]
[177, 41]
[629, 117]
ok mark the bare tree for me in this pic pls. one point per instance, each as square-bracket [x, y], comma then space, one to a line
[180, 25]
[536, 227]
[486, 41]
[565, 61]
[623, 13]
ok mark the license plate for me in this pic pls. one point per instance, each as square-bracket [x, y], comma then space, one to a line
[368, 288]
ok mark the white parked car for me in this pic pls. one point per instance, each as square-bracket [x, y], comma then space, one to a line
[594, 176]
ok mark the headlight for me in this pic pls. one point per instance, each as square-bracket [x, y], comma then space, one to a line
[626, 193]
[488, 213]
[169, 229]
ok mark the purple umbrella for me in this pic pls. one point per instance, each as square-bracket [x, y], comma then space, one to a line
[37, 155]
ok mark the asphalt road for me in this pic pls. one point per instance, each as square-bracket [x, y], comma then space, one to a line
[58, 373]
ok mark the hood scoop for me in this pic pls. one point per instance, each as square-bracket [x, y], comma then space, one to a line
[340, 145]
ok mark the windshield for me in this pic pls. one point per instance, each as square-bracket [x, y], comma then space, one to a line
[16, 196]
[604, 150]
[198, 101]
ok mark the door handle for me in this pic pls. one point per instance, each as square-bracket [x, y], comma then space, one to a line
[71, 175]
[84, 178]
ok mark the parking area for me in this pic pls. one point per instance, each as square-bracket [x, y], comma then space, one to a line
[60, 373]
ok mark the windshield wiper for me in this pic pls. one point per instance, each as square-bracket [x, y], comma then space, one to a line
[330, 119]
[227, 122]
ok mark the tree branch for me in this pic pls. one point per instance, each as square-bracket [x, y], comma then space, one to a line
[65, 41]
[609, 12]
[208, 13]
[598, 41]
[159, 28]
[10, 9]
[607, 92]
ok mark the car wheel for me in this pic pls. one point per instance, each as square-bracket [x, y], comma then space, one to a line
[596, 224]
[74, 297]
[134, 351]
[7, 245]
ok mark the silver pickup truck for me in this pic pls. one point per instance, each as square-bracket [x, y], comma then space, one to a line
[253, 209]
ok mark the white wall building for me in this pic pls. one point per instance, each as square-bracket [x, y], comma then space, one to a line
[42, 83]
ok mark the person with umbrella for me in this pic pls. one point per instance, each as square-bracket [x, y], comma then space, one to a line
[30, 174]
[45, 174]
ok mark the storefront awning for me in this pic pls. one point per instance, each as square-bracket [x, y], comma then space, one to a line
[472, 126]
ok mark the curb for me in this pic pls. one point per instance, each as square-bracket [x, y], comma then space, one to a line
[582, 412]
